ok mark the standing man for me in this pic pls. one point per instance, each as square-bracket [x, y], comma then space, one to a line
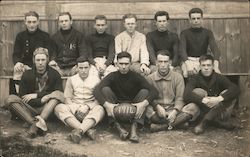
[125, 86]
[81, 111]
[196, 41]
[169, 109]
[101, 47]
[162, 39]
[69, 44]
[40, 91]
[134, 43]
[213, 93]
[25, 44]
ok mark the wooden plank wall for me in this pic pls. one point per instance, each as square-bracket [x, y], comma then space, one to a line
[228, 20]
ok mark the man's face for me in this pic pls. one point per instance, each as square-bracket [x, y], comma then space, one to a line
[163, 64]
[206, 67]
[31, 23]
[64, 22]
[196, 20]
[161, 23]
[83, 69]
[123, 65]
[130, 25]
[100, 26]
[40, 62]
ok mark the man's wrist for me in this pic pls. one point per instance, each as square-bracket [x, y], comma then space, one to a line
[220, 98]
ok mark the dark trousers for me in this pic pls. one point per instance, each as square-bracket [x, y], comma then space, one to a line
[111, 97]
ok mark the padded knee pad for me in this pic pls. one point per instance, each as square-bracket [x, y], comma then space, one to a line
[12, 99]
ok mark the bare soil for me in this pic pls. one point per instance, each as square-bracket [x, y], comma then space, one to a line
[177, 143]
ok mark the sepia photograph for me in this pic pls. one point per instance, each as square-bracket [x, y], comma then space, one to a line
[124, 78]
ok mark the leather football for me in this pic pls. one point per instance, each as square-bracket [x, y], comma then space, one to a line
[124, 112]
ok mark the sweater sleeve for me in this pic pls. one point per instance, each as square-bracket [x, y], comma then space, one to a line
[83, 47]
[189, 95]
[183, 47]
[232, 91]
[111, 52]
[153, 92]
[175, 51]
[90, 50]
[213, 46]
[17, 54]
[179, 90]
[144, 56]
[54, 48]
[98, 89]
[151, 50]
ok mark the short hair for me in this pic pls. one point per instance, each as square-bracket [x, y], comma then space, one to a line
[41, 50]
[164, 53]
[124, 54]
[31, 13]
[65, 13]
[161, 13]
[100, 17]
[206, 57]
[82, 59]
[126, 16]
[195, 10]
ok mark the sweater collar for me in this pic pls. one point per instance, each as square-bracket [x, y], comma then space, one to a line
[158, 76]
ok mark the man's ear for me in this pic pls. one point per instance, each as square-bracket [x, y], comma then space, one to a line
[170, 62]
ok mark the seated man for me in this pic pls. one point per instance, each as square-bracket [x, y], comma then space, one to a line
[40, 91]
[25, 44]
[163, 39]
[101, 47]
[168, 110]
[134, 43]
[196, 41]
[213, 93]
[125, 86]
[81, 111]
[68, 45]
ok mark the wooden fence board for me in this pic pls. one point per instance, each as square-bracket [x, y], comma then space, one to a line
[233, 45]
[232, 37]
[4, 88]
[115, 10]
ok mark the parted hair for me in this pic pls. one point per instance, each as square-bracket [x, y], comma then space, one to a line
[126, 16]
[82, 59]
[65, 13]
[206, 57]
[195, 10]
[31, 13]
[164, 53]
[161, 13]
[100, 17]
[124, 54]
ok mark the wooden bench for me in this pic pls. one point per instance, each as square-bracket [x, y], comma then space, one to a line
[243, 80]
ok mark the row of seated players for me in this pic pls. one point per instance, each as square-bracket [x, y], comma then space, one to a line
[68, 44]
[161, 99]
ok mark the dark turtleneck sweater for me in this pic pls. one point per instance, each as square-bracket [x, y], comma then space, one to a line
[101, 45]
[194, 42]
[166, 40]
[125, 86]
[213, 84]
[26, 43]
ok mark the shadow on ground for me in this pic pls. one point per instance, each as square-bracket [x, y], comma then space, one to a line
[177, 143]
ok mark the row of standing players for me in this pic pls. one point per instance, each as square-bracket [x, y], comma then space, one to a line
[160, 99]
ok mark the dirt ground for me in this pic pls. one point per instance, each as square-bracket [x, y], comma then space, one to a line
[178, 143]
